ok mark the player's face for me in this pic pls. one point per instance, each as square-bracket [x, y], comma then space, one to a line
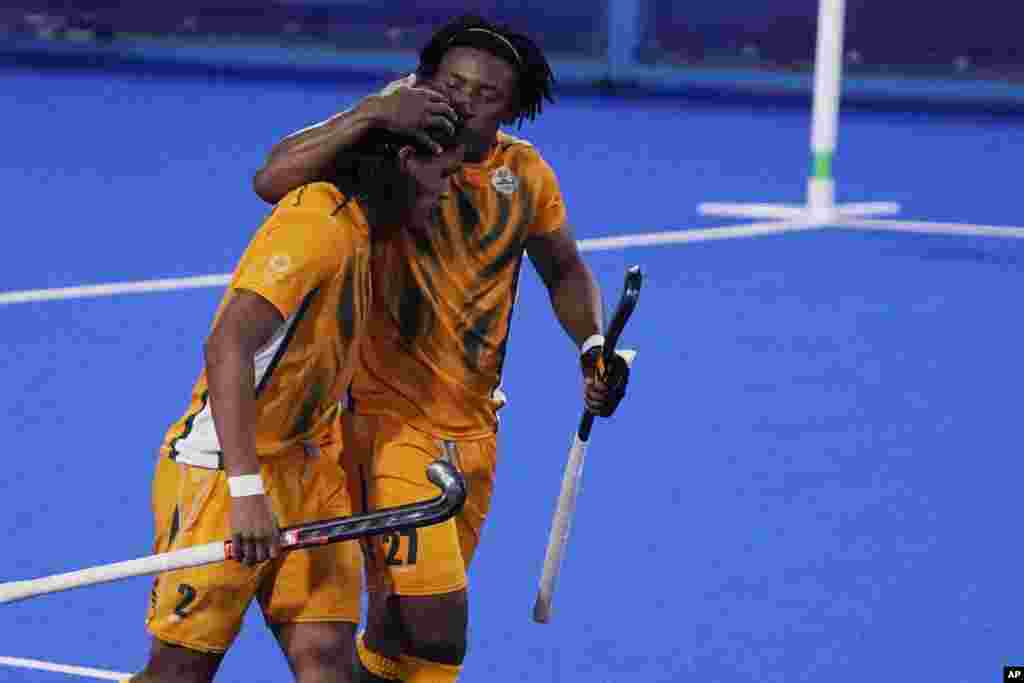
[482, 88]
[432, 174]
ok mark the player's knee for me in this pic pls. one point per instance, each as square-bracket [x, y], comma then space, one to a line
[435, 627]
[179, 664]
[321, 652]
[320, 662]
[321, 666]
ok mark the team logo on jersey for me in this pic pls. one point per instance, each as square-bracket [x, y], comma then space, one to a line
[504, 180]
[277, 266]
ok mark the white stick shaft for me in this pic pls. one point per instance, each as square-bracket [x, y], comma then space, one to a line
[561, 523]
[153, 564]
[560, 527]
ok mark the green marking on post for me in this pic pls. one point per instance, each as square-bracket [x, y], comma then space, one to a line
[821, 165]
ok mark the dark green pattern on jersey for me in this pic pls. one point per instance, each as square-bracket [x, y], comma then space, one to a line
[475, 337]
[468, 213]
[347, 305]
[314, 399]
[500, 225]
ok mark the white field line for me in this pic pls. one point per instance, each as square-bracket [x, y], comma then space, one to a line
[651, 239]
[929, 228]
[112, 288]
[82, 671]
[777, 211]
[597, 244]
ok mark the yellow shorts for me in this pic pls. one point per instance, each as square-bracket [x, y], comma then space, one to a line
[202, 607]
[386, 462]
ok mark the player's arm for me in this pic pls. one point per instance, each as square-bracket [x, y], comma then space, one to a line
[288, 259]
[575, 294]
[302, 157]
[245, 325]
[576, 300]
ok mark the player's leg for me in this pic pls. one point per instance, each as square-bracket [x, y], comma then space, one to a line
[318, 652]
[426, 566]
[169, 663]
[379, 646]
[449, 612]
[435, 629]
[196, 613]
[311, 599]
[378, 649]
[429, 608]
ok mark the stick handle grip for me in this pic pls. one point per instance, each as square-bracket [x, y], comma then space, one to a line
[587, 421]
[153, 564]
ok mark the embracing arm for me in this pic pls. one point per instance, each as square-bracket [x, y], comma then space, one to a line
[302, 156]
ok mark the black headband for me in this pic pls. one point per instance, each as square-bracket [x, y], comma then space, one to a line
[483, 38]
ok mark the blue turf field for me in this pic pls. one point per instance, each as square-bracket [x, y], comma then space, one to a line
[814, 475]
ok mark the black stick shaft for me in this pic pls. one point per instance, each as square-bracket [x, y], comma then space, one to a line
[442, 474]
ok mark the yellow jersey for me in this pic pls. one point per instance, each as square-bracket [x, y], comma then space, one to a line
[439, 329]
[311, 260]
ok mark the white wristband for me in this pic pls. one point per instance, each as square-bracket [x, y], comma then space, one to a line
[246, 485]
[592, 341]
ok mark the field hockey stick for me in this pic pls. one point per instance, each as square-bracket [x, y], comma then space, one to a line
[443, 475]
[561, 522]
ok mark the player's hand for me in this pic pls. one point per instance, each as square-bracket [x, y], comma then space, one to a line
[255, 536]
[412, 110]
[602, 392]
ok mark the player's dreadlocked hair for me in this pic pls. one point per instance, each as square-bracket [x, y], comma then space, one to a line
[536, 80]
[369, 172]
